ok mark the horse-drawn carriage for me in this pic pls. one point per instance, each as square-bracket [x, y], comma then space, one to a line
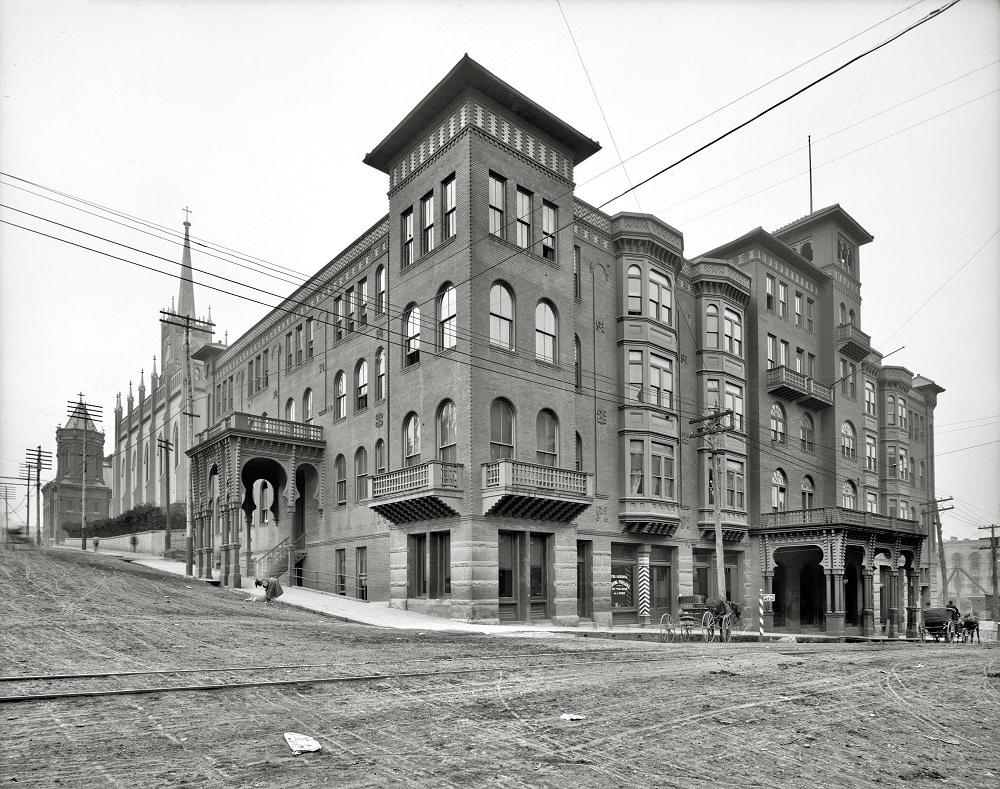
[712, 618]
[940, 623]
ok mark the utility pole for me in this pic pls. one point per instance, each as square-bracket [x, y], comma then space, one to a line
[86, 413]
[40, 460]
[935, 511]
[711, 434]
[5, 494]
[166, 446]
[26, 468]
[992, 548]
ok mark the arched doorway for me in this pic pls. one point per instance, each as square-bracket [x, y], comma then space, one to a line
[799, 586]
[306, 517]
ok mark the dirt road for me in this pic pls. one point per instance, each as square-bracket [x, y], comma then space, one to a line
[205, 684]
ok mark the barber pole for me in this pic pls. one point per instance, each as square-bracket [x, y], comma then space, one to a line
[760, 607]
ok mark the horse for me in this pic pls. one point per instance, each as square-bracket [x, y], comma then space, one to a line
[970, 627]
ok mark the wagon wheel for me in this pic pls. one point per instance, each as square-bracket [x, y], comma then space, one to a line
[667, 629]
[708, 626]
[726, 628]
[686, 629]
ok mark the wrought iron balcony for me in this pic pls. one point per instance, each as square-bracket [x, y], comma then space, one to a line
[417, 493]
[854, 343]
[827, 517]
[795, 386]
[512, 489]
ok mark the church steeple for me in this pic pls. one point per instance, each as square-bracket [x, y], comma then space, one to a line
[185, 303]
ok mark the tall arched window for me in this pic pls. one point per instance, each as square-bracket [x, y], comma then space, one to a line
[411, 333]
[447, 433]
[545, 332]
[579, 453]
[850, 317]
[447, 312]
[380, 457]
[340, 479]
[843, 313]
[547, 438]
[661, 297]
[160, 460]
[340, 396]
[712, 326]
[847, 440]
[733, 329]
[577, 370]
[807, 433]
[634, 306]
[361, 474]
[290, 409]
[808, 493]
[380, 290]
[177, 454]
[411, 441]
[777, 423]
[849, 495]
[501, 317]
[779, 487]
[379, 375]
[361, 385]
[307, 405]
[501, 430]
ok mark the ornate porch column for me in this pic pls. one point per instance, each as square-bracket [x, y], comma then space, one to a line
[836, 616]
[224, 548]
[912, 601]
[867, 601]
[892, 631]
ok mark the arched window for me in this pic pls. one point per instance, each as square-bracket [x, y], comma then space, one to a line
[380, 457]
[361, 385]
[501, 317]
[850, 317]
[807, 433]
[411, 332]
[661, 297]
[380, 290]
[849, 495]
[577, 370]
[501, 430]
[340, 479]
[177, 454]
[160, 459]
[847, 440]
[843, 313]
[712, 326]
[579, 453]
[777, 423]
[547, 438]
[411, 441]
[545, 332]
[779, 487]
[447, 433]
[133, 464]
[808, 493]
[447, 312]
[290, 409]
[379, 375]
[307, 405]
[634, 290]
[361, 474]
[733, 328]
[340, 396]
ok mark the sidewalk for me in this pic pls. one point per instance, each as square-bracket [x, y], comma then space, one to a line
[380, 614]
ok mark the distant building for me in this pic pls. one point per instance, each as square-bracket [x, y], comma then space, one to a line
[970, 579]
[482, 408]
[79, 463]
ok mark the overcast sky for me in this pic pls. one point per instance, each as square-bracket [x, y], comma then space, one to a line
[257, 116]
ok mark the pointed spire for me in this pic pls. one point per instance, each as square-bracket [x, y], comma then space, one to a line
[154, 374]
[185, 301]
[142, 380]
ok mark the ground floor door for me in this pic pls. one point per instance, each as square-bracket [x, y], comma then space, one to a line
[523, 576]
[585, 579]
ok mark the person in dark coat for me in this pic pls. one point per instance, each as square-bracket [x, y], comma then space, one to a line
[955, 614]
[272, 588]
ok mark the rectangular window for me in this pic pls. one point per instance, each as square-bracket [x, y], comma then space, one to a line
[448, 204]
[770, 292]
[549, 226]
[498, 192]
[734, 401]
[772, 351]
[661, 381]
[427, 223]
[733, 332]
[361, 571]
[782, 299]
[870, 398]
[890, 461]
[350, 305]
[310, 338]
[662, 470]
[338, 318]
[783, 353]
[298, 344]
[407, 235]
[871, 453]
[798, 309]
[250, 389]
[635, 376]
[576, 272]
[852, 379]
[712, 398]
[439, 555]
[340, 571]
[735, 484]
[417, 559]
[811, 366]
[871, 502]
[266, 373]
[636, 453]
[288, 351]
[810, 308]
[362, 303]
[523, 218]
[904, 465]
[800, 361]
[506, 564]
